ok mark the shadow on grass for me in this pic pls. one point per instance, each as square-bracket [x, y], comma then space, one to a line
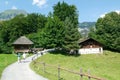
[64, 53]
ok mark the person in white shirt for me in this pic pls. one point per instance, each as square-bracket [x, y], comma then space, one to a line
[24, 56]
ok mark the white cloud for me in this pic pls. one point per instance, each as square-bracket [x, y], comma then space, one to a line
[14, 7]
[117, 11]
[6, 2]
[39, 3]
[103, 15]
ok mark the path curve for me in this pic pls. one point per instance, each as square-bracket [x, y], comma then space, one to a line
[21, 71]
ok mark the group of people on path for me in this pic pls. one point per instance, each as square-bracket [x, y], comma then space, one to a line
[25, 54]
[19, 56]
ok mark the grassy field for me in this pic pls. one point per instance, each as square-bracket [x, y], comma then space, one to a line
[5, 60]
[105, 65]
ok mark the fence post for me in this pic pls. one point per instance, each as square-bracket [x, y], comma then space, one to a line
[44, 67]
[58, 72]
[81, 74]
[89, 74]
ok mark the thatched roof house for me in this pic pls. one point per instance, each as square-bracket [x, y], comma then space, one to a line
[22, 44]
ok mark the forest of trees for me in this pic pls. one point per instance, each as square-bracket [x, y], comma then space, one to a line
[107, 31]
[59, 29]
[53, 31]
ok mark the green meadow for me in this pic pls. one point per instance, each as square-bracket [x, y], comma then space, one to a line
[5, 60]
[106, 65]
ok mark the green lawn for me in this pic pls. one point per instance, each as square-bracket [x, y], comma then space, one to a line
[105, 65]
[5, 60]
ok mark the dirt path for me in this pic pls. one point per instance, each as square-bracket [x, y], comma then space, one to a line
[21, 71]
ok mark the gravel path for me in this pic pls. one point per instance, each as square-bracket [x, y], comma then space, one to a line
[21, 71]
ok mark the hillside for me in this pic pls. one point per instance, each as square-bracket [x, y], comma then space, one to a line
[106, 65]
[87, 24]
[84, 28]
[9, 14]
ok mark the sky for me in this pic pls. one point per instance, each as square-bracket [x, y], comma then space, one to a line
[88, 10]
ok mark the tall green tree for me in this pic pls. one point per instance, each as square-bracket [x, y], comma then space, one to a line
[53, 33]
[108, 31]
[51, 36]
[71, 37]
[63, 10]
[68, 14]
[35, 22]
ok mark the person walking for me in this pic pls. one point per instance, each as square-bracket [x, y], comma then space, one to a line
[24, 55]
[19, 55]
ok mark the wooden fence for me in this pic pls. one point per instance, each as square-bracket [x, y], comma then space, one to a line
[59, 68]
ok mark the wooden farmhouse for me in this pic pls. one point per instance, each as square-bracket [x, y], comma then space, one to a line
[22, 44]
[90, 46]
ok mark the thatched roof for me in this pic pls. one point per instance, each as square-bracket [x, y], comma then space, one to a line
[23, 41]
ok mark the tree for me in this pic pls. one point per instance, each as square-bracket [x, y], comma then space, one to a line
[35, 22]
[51, 36]
[68, 14]
[71, 37]
[53, 33]
[19, 26]
[108, 30]
[63, 10]
[10, 31]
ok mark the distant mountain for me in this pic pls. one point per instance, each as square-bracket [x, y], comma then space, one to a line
[87, 24]
[9, 14]
[84, 28]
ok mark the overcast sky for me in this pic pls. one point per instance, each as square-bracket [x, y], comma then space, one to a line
[88, 10]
